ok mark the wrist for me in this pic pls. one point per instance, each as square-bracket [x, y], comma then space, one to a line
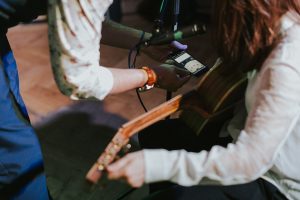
[151, 79]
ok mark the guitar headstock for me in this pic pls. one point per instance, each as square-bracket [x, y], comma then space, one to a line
[108, 156]
[128, 130]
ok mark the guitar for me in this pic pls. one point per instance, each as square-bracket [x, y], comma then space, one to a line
[204, 108]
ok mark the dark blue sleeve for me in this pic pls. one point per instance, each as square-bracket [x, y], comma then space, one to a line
[13, 12]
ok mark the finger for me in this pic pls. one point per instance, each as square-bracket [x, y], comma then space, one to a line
[118, 164]
[182, 72]
[178, 45]
[135, 182]
[116, 174]
[117, 169]
[170, 62]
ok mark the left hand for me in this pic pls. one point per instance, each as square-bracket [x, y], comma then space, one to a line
[131, 167]
[170, 77]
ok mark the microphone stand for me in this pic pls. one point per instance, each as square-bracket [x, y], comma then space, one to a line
[157, 31]
[176, 14]
[176, 11]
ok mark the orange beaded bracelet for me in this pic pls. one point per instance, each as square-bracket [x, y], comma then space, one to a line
[152, 79]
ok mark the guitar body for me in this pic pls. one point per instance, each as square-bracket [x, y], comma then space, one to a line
[204, 109]
[207, 107]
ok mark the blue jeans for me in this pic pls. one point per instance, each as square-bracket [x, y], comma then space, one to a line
[21, 165]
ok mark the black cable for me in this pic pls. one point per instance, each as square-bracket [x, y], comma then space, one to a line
[162, 10]
[136, 49]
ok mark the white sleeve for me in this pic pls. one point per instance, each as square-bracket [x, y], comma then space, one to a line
[94, 81]
[74, 39]
[273, 114]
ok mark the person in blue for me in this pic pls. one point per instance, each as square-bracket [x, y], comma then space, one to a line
[21, 163]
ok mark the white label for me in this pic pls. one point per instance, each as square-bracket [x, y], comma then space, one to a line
[182, 57]
[193, 66]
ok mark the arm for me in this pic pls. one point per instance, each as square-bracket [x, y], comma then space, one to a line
[74, 48]
[74, 41]
[126, 79]
[269, 123]
[13, 12]
[118, 35]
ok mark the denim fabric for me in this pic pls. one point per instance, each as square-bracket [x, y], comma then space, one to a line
[21, 163]
[10, 69]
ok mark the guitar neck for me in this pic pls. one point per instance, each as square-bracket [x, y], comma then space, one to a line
[129, 129]
[150, 117]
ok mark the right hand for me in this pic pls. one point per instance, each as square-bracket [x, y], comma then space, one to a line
[170, 77]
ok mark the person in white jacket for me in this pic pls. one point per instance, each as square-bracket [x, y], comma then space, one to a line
[262, 38]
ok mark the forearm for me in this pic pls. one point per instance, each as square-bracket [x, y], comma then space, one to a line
[127, 79]
[118, 35]
[75, 58]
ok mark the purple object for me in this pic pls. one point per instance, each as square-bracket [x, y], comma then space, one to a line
[178, 45]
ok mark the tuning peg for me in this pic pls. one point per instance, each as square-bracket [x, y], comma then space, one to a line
[101, 167]
[126, 148]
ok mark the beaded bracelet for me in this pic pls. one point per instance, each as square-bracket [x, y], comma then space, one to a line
[152, 79]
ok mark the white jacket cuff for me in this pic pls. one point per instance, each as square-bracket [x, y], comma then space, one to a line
[155, 169]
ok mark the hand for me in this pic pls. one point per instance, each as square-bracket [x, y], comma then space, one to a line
[131, 168]
[170, 77]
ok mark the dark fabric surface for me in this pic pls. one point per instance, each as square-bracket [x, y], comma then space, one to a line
[71, 141]
[256, 190]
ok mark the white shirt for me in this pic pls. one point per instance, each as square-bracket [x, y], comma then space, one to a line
[74, 40]
[267, 146]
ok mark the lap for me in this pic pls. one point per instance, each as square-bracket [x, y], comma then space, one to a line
[256, 190]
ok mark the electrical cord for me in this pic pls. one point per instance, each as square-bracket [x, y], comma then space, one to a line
[131, 65]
